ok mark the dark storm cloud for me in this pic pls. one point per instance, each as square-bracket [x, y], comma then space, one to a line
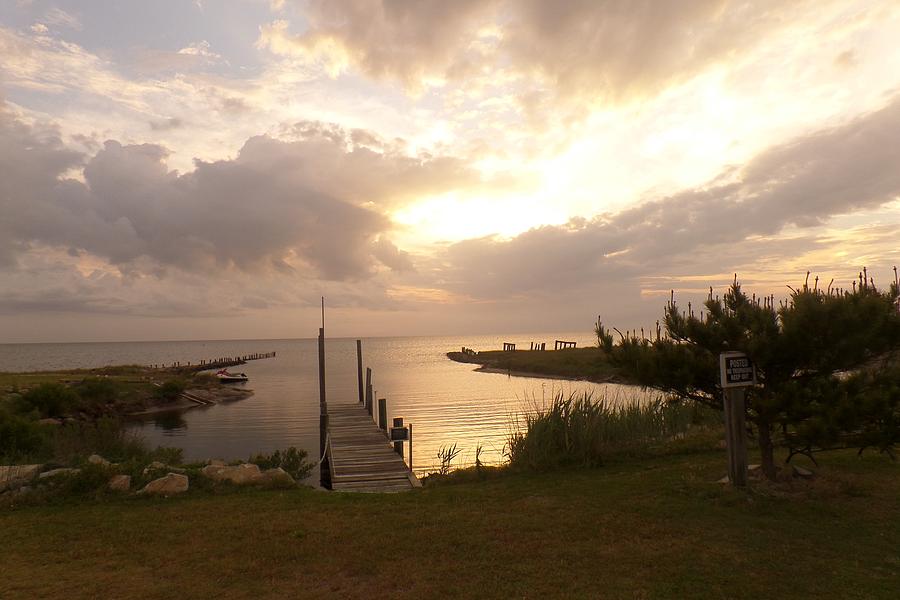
[803, 183]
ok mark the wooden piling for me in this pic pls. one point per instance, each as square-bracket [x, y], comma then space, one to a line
[410, 447]
[359, 377]
[398, 446]
[324, 471]
[369, 390]
[382, 413]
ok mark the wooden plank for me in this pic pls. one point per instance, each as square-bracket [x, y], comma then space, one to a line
[362, 459]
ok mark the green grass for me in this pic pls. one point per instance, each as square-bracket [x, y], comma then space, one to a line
[573, 363]
[658, 528]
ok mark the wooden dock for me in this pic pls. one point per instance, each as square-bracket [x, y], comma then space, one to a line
[360, 456]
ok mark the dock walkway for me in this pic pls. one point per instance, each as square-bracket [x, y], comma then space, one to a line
[360, 455]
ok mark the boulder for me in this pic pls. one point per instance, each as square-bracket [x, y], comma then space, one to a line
[243, 474]
[801, 472]
[173, 483]
[277, 477]
[215, 462]
[58, 472]
[96, 459]
[14, 476]
[120, 483]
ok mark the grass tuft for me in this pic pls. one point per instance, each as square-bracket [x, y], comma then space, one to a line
[578, 430]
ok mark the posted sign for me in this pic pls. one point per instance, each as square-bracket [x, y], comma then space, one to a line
[399, 434]
[736, 370]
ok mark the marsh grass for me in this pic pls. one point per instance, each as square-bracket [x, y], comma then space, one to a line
[579, 430]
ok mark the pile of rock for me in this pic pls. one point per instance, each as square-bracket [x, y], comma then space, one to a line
[172, 480]
[246, 474]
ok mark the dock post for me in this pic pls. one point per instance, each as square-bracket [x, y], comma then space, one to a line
[382, 413]
[410, 448]
[359, 378]
[324, 471]
[398, 446]
[369, 390]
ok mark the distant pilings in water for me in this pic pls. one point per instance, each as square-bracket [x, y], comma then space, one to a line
[214, 363]
[469, 351]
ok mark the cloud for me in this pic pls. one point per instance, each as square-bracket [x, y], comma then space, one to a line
[201, 48]
[392, 256]
[166, 124]
[798, 185]
[60, 18]
[612, 50]
[311, 206]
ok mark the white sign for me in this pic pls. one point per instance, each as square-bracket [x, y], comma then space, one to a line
[736, 370]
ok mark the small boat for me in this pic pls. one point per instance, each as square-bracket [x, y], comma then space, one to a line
[226, 377]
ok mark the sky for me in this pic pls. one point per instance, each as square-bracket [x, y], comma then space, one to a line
[199, 169]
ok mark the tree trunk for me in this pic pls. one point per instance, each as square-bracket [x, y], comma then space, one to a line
[766, 449]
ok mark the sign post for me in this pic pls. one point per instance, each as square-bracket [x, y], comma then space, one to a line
[398, 435]
[736, 373]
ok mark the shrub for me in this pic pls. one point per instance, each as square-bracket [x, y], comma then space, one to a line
[50, 399]
[105, 436]
[90, 481]
[291, 460]
[97, 391]
[20, 437]
[170, 390]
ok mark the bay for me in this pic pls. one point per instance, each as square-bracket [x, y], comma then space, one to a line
[447, 402]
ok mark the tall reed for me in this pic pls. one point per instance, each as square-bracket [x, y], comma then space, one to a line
[579, 430]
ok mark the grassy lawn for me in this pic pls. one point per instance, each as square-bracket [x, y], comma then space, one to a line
[657, 528]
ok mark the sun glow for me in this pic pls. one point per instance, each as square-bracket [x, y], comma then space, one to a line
[452, 217]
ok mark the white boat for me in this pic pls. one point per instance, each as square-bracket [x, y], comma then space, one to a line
[226, 377]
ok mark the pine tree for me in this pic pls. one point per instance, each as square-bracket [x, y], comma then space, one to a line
[826, 360]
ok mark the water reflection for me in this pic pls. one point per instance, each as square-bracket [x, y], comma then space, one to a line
[170, 422]
[446, 402]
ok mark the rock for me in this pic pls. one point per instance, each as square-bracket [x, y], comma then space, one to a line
[158, 466]
[96, 459]
[120, 483]
[753, 467]
[724, 480]
[801, 472]
[14, 476]
[58, 472]
[278, 477]
[154, 466]
[173, 483]
[243, 474]
[215, 462]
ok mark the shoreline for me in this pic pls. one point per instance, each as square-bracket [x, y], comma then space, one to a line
[533, 375]
[135, 390]
[563, 365]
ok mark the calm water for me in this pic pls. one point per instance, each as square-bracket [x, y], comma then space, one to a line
[446, 402]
